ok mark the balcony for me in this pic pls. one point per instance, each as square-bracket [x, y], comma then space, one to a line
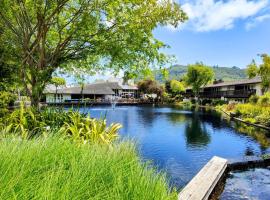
[228, 94]
[225, 94]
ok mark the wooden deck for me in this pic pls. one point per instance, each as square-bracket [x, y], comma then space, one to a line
[202, 185]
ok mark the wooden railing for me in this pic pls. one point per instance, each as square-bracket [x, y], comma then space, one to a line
[225, 94]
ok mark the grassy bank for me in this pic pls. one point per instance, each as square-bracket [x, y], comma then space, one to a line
[55, 168]
[249, 112]
[256, 111]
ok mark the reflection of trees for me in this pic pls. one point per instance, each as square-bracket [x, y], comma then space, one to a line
[147, 115]
[176, 117]
[196, 133]
[258, 134]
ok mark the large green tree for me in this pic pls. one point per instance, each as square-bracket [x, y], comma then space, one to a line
[262, 70]
[198, 76]
[83, 35]
[149, 86]
[177, 86]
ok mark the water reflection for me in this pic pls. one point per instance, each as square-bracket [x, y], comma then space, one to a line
[196, 133]
[182, 141]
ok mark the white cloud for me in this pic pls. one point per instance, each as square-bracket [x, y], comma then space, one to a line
[211, 15]
[251, 24]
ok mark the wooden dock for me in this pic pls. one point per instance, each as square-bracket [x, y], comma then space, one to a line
[202, 185]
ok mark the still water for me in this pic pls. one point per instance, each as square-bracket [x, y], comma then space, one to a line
[244, 185]
[181, 141]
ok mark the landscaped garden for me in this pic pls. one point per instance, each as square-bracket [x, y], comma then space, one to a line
[256, 111]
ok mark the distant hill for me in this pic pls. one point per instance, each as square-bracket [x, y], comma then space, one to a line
[225, 73]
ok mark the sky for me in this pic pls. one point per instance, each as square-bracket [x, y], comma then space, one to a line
[219, 32]
[226, 33]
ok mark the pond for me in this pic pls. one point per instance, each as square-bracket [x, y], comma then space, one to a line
[249, 184]
[181, 141]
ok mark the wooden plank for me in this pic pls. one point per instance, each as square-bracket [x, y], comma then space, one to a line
[202, 185]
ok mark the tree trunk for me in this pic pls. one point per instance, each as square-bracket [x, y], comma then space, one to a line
[35, 99]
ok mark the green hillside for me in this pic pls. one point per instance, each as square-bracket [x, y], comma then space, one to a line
[225, 73]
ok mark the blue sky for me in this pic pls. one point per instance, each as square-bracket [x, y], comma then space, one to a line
[225, 33]
[219, 32]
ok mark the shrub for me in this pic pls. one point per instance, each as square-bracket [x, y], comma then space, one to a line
[265, 99]
[264, 117]
[88, 130]
[231, 106]
[6, 99]
[250, 120]
[206, 101]
[28, 122]
[24, 122]
[217, 102]
[247, 110]
[254, 99]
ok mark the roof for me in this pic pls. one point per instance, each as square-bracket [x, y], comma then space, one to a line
[95, 88]
[238, 82]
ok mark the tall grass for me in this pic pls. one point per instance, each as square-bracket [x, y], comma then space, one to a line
[55, 168]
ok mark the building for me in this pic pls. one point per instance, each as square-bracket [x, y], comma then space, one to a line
[234, 90]
[103, 91]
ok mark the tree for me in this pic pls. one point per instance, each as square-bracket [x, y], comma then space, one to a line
[83, 35]
[198, 76]
[177, 86]
[150, 86]
[57, 81]
[252, 69]
[262, 70]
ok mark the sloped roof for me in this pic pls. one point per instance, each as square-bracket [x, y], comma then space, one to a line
[238, 82]
[95, 88]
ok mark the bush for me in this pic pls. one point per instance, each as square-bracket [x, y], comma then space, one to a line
[264, 118]
[247, 110]
[218, 102]
[265, 99]
[87, 130]
[206, 102]
[254, 99]
[55, 168]
[6, 99]
[231, 106]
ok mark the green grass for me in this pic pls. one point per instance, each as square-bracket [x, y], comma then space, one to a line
[55, 168]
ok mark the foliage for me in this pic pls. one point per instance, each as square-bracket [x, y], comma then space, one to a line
[230, 106]
[8, 70]
[58, 81]
[225, 73]
[150, 86]
[30, 122]
[176, 86]
[254, 99]
[262, 70]
[265, 156]
[247, 110]
[83, 36]
[198, 75]
[252, 69]
[217, 102]
[24, 122]
[264, 100]
[55, 168]
[253, 113]
[87, 130]
[6, 99]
